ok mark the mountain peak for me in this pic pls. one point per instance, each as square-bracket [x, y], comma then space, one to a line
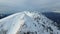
[27, 23]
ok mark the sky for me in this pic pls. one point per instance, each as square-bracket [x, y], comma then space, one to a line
[10, 6]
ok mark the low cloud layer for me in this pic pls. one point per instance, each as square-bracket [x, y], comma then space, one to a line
[8, 5]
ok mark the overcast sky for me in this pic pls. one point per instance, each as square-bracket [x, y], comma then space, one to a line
[9, 5]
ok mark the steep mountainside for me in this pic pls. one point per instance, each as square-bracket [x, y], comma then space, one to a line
[27, 23]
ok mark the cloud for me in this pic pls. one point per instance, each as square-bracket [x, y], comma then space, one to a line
[29, 4]
[12, 2]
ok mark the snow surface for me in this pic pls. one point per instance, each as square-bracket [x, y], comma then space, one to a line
[27, 23]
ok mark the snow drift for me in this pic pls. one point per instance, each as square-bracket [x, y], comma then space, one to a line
[27, 23]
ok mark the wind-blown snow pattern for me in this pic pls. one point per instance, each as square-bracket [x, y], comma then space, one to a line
[27, 23]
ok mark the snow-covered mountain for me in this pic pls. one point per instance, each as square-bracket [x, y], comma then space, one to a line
[28, 23]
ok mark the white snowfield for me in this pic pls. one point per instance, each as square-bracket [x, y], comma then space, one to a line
[27, 23]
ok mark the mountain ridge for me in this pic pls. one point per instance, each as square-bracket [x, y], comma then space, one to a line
[26, 23]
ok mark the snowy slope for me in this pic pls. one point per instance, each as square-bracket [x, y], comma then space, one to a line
[27, 23]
